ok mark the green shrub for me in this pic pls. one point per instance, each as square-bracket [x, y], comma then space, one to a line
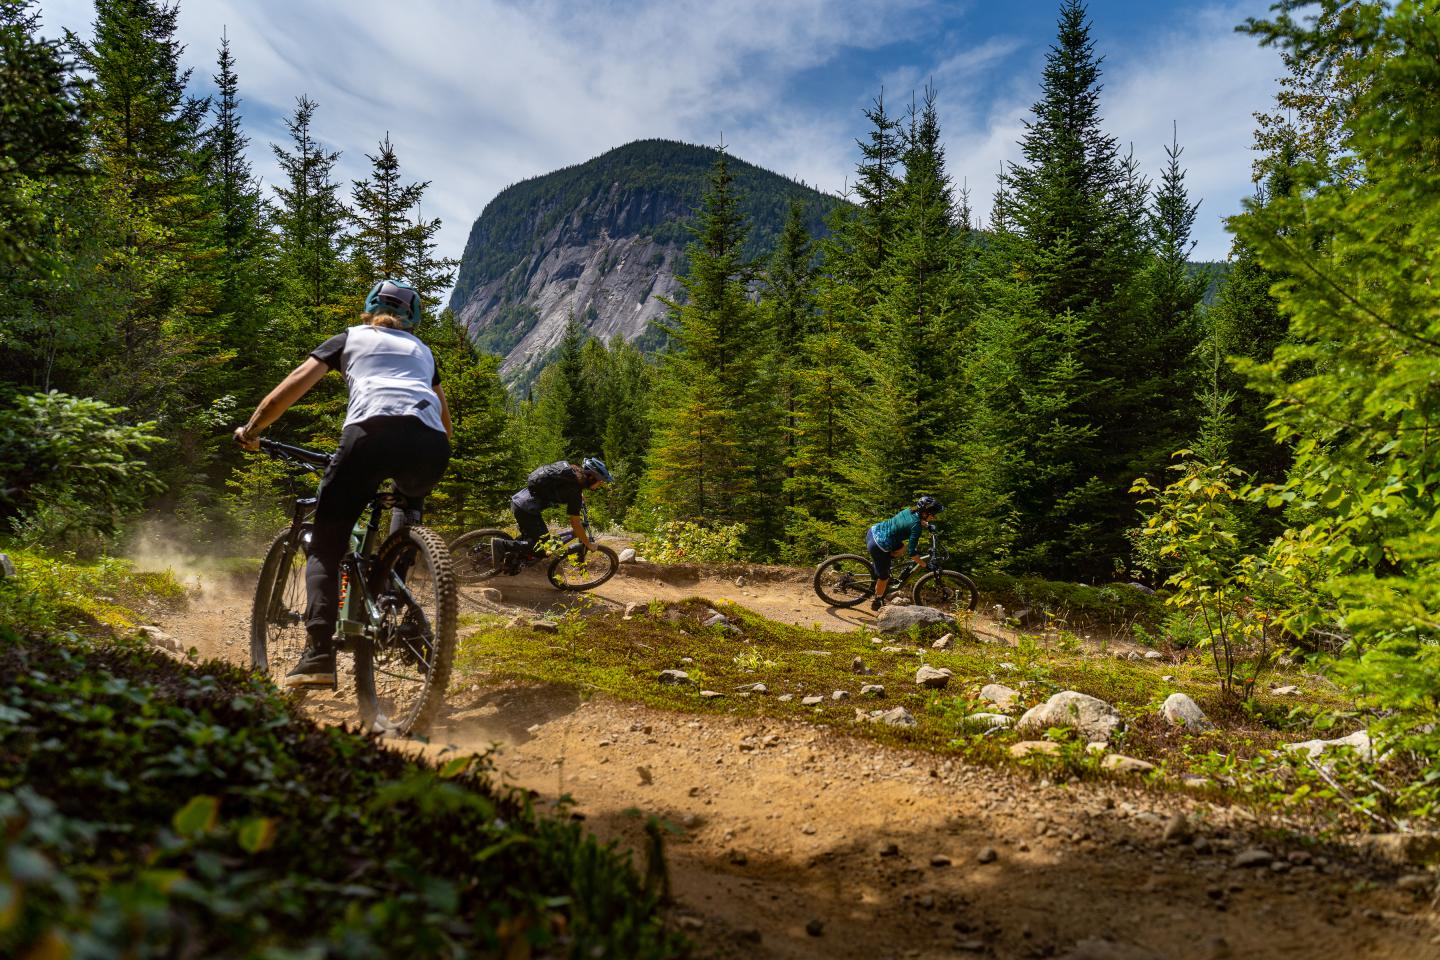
[71, 468]
[50, 593]
[683, 541]
[149, 808]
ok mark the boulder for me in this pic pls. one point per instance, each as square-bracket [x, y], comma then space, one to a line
[1182, 711]
[1090, 716]
[544, 626]
[1000, 696]
[812, 701]
[627, 555]
[490, 594]
[931, 678]
[896, 619]
[840, 695]
[7, 567]
[946, 642]
[674, 676]
[1359, 741]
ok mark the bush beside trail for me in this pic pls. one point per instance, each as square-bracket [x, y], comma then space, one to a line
[155, 808]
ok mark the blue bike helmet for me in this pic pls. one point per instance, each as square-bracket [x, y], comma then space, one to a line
[928, 504]
[596, 467]
[395, 297]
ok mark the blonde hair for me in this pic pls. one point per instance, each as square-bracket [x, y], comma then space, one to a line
[382, 318]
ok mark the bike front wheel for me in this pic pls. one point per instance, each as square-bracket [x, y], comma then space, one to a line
[577, 570]
[946, 590]
[846, 580]
[470, 555]
[277, 613]
[401, 672]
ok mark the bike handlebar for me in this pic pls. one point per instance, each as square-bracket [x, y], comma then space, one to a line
[285, 451]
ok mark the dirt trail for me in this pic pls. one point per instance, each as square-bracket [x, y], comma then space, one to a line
[784, 826]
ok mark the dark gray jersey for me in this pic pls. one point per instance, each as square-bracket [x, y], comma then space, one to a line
[390, 373]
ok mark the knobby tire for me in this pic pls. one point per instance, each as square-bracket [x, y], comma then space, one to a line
[845, 567]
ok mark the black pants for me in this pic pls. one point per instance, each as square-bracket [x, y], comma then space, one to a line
[528, 518]
[402, 449]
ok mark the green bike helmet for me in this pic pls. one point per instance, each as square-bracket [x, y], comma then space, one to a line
[396, 297]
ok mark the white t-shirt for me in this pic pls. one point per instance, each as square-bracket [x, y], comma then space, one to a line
[391, 373]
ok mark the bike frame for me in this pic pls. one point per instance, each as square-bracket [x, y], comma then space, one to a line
[934, 560]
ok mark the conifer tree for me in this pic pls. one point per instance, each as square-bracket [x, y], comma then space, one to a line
[719, 426]
[788, 305]
[380, 208]
[1071, 222]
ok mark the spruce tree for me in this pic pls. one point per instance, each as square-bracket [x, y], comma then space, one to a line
[380, 208]
[1071, 223]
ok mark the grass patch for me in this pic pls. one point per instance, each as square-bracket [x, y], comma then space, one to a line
[152, 808]
[623, 659]
[107, 595]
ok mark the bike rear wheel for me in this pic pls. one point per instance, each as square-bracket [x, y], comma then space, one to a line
[277, 614]
[402, 672]
[845, 580]
[946, 590]
[571, 571]
[470, 555]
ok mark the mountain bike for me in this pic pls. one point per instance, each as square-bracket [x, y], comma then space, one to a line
[848, 580]
[572, 567]
[398, 606]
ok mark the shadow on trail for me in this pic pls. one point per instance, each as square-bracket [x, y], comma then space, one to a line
[503, 714]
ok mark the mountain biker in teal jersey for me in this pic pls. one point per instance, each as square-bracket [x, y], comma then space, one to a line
[397, 426]
[888, 538]
[554, 485]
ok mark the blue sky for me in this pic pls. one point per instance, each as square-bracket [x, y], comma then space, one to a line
[478, 94]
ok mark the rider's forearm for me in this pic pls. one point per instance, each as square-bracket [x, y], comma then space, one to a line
[578, 527]
[289, 390]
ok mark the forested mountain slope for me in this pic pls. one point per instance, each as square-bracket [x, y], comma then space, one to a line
[602, 241]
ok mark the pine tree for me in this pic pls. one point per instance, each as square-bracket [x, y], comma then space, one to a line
[718, 427]
[788, 306]
[311, 221]
[380, 207]
[1071, 220]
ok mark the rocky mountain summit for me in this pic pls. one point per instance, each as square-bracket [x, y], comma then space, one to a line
[602, 242]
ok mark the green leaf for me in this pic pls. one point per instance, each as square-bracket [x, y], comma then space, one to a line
[197, 817]
[453, 768]
[257, 834]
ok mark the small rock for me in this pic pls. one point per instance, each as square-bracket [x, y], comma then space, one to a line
[785, 698]
[646, 777]
[994, 721]
[812, 701]
[808, 829]
[753, 688]
[738, 858]
[1029, 618]
[840, 695]
[627, 555]
[1178, 829]
[1359, 741]
[1416, 883]
[1251, 858]
[715, 620]
[946, 642]
[897, 717]
[740, 580]
[1405, 848]
[872, 690]
[1026, 747]
[892, 650]
[987, 855]
[999, 696]
[932, 678]
[687, 660]
[1096, 949]
[815, 927]
[970, 946]
[544, 626]
[691, 923]
[512, 623]
[890, 850]
[857, 665]
[1006, 666]
[674, 676]
[939, 860]
[1119, 763]
[1289, 690]
[1168, 678]
[490, 594]
[1154, 655]
[1181, 711]
[710, 694]
[631, 609]
[7, 567]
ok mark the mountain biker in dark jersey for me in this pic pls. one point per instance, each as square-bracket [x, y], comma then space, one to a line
[397, 426]
[888, 538]
[554, 485]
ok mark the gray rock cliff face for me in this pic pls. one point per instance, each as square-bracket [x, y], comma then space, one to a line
[602, 242]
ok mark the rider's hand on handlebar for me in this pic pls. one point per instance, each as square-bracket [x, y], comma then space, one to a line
[245, 438]
[919, 561]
